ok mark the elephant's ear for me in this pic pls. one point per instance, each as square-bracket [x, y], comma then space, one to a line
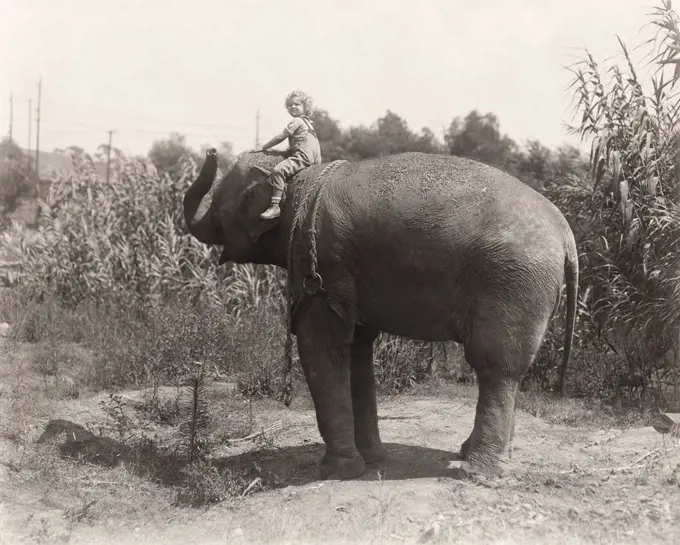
[255, 199]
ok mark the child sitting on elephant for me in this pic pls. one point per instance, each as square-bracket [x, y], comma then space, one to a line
[303, 148]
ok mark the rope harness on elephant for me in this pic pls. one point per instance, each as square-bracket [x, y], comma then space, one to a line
[306, 201]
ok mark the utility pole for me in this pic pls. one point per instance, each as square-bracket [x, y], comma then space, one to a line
[257, 129]
[28, 151]
[108, 158]
[37, 141]
[11, 115]
[10, 153]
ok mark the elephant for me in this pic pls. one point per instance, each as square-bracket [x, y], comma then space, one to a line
[431, 247]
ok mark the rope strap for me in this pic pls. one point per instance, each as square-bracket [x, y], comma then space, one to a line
[312, 283]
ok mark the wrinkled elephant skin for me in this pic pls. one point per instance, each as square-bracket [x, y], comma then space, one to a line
[430, 247]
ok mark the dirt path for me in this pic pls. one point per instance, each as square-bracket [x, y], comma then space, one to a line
[569, 485]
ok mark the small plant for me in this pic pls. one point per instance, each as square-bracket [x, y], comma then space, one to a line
[119, 422]
[385, 501]
[193, 429]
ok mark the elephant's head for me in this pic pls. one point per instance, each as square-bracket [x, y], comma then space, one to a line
[227, 212]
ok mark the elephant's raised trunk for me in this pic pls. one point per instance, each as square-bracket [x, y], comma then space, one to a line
[198, 201]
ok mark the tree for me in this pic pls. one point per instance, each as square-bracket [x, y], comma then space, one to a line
[362, 143]
[427, 142]
[390, 134]
[394, 135]
[331, 137]
[170, 154]
[478, 137]
[102, 153]
[570, 165]
[535, 165]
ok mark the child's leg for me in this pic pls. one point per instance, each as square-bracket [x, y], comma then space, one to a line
[282, 172]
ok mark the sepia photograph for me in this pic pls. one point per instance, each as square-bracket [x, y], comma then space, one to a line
[339, 272]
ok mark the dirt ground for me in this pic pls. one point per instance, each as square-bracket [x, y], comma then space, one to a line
[567, 485]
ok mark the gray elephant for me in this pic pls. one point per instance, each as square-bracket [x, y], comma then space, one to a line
[431, 247]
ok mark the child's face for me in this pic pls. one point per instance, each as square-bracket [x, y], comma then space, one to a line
[295, 107]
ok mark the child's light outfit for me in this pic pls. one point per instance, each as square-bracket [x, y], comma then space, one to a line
[305, 151]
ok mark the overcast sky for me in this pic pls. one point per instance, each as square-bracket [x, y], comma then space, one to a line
[145, 68]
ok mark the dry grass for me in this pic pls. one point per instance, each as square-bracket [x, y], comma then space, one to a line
[584, 412]
[60, 498]
[153, 475]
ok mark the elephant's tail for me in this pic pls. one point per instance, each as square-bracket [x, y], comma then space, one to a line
[571, 270]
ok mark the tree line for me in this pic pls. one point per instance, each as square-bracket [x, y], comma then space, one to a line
[476, 135]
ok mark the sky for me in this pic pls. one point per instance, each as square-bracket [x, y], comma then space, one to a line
[203, 68]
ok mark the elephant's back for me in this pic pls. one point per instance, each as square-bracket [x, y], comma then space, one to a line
[419, 186]
[410, 207]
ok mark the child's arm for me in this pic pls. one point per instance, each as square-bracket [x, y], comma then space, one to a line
[274, 141]
[290, 129]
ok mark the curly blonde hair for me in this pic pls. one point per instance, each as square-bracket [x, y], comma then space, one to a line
[306, 100]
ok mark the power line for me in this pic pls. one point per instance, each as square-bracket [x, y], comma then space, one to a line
[127, 131]
[10, 154]
[103, 127]
[28, 154]
[153, 119]
[98, 128]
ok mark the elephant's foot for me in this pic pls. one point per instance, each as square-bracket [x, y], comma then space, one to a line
[337, 467]
[465, 449]
[374, 453]
[476, 461]
[484, 467]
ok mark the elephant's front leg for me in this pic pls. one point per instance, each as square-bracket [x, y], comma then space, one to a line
[324, 344]
[366, 434]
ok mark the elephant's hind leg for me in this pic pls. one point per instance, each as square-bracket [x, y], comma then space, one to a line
[488, 445]
[364, 405]
[501, 354]
[465, 447]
